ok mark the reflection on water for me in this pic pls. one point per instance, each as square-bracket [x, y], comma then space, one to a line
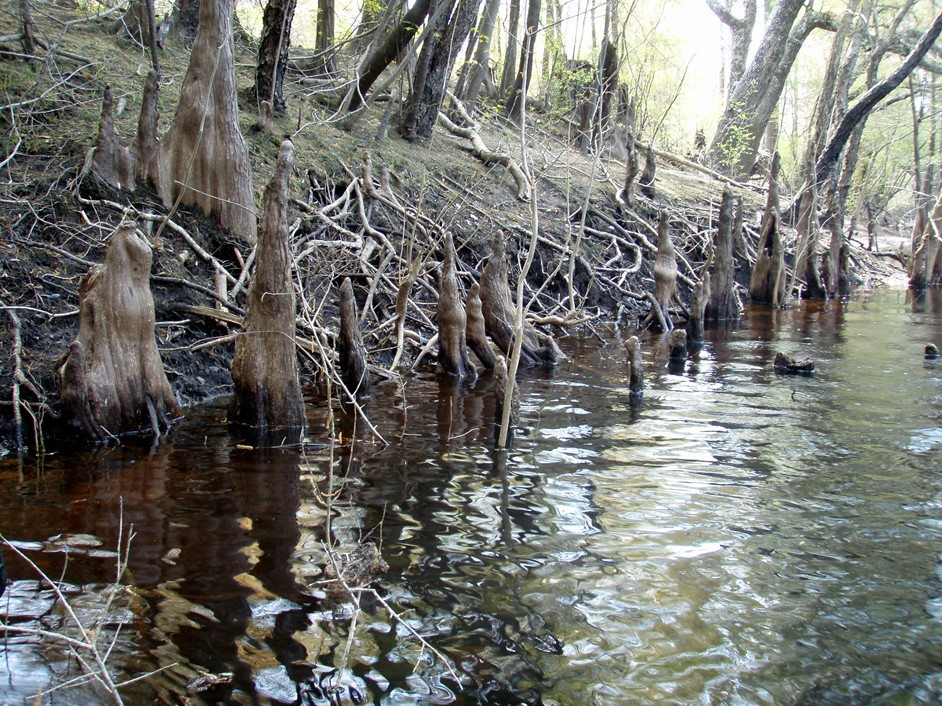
[739, 537]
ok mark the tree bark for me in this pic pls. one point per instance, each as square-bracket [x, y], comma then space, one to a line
[267, 391]
[324, 37]
[722, 303]
[740, 29]
[665, 271]
[635, 367]
[273, 52]
[113, 381]
[926, 265]
[203, 157]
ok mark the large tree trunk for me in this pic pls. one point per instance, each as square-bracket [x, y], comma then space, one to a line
[267, 392]
[203, 157]
[273, 52]
[740, 29]
[925, 268]
[113, 381]
[324, 37]
[434, 69]
[751, 105]
[392, 47]
[522, 82]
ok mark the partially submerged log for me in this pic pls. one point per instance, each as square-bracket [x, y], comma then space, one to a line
[267, 392]
[452, 320]
[931, 351]
[354, 370]
[635, 367]
[475, 334]
[113, 380]
[787, 365]
[499, 312]
[723, 303]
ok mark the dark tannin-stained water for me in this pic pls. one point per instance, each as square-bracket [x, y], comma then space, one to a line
[741, 537]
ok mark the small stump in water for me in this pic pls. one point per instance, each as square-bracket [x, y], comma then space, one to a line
[932, 351]
[452, 320]
[113, 380]
[786, 365]
[635, 369]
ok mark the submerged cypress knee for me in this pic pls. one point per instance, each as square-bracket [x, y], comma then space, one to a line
[677, 344]
[635, 367]
[452, 320]
[501, 381]
[113, 380]
[354, 370]
[267, 391]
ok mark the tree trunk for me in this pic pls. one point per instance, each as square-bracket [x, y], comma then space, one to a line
[267, 392]
[185, 17]
[665, 272]
[740, 29]
[452, 320]
[722, 303]
[631, 162]
[324, 38]
[635, 367]
[509, 72]
[203, 157]
[273, 53]
[113, 381]
[482, 54]
[434, 69]
[134, 23]
[522, 82]
[389, 49]
[146, 141]
[607, 81]
[751, 105]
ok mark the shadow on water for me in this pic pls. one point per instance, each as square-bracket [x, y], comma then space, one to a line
[737, 537]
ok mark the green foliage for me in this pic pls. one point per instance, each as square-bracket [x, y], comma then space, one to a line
[736, 142]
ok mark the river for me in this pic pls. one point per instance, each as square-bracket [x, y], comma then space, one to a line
[740, 537]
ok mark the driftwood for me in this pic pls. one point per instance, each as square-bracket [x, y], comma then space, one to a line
[635, 367]
[767, 284]
[475, 334]
[111, 162]
[787, 365]
[267, 391]
[488, 156]
[499, 312]
[722, 302]
[112, 380]
[354, 371]
[452, 320]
